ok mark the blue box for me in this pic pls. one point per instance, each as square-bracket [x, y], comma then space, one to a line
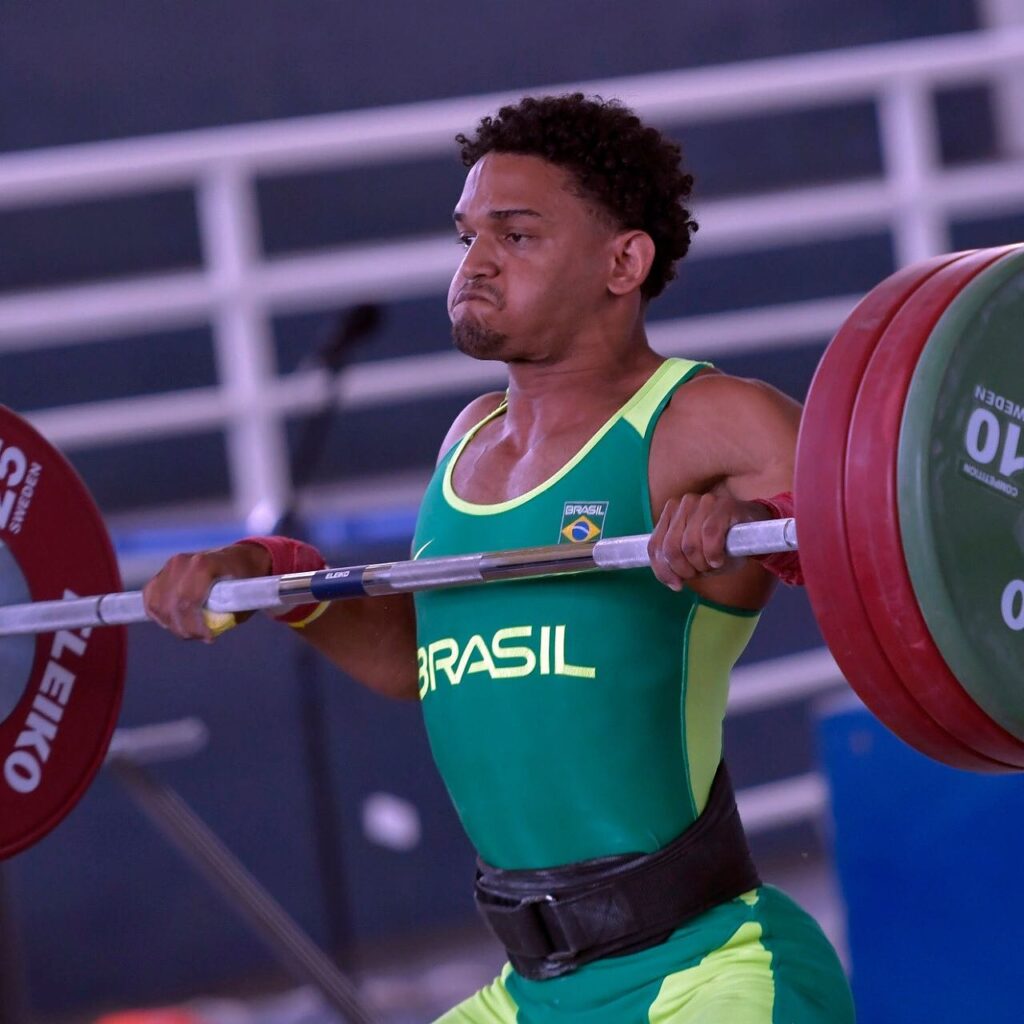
[930, 866]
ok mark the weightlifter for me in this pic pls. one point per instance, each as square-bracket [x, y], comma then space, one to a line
[577, 720]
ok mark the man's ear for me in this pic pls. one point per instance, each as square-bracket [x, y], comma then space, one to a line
[632, 258]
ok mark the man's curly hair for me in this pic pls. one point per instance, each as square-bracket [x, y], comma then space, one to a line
[631, 171]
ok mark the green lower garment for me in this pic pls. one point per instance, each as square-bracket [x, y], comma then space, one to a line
[758, 959]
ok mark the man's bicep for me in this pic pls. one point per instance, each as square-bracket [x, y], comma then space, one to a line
[722, 433]
[766, 428]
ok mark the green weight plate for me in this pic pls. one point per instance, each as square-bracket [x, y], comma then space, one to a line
[872, 520]
[960, 470]
[824, 552]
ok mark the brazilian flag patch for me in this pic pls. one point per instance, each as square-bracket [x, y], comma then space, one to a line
[582, 521]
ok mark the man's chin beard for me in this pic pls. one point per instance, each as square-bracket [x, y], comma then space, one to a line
[472, 338]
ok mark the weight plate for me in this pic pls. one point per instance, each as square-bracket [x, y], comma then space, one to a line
[961, 490]
[831, 586]
[55, 735]
[872, 517]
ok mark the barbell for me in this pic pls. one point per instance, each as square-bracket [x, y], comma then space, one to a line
[908, 497]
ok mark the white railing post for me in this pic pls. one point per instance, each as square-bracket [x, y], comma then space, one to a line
[257, 449]
[908, 128]
[238, 290]
[1008, 86]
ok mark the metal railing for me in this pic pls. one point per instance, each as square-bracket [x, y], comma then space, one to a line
[238, 289]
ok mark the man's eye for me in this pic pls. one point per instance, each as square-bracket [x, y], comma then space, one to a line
[514, 236]
[464, 240]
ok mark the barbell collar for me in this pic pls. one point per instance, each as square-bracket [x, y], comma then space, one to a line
[770, 537]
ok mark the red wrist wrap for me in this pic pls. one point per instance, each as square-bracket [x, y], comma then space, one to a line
[784, 564]
[287, 555]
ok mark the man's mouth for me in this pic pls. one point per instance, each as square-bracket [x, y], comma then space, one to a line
[469, 294]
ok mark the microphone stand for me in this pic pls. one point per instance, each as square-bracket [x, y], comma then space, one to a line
[333, 356]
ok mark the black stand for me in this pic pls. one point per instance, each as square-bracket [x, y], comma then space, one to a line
[179, 823]
[333, 355]
[165, 808]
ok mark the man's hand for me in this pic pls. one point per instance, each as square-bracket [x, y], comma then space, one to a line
[689, 539]
[174, 597]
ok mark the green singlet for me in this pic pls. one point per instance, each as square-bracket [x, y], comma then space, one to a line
[580, 716]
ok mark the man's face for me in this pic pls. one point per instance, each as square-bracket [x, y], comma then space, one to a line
[536, 262]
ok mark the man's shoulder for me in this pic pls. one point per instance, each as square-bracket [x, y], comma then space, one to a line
[471, 415]
[716, 396]
[716, 422]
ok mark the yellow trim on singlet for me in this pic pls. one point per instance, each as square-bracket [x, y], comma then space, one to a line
[644, 403]
[734, 984]
[639, 412]
[715, 638]
[491, 1005]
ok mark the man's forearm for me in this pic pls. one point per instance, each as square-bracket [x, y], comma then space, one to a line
[372, 639]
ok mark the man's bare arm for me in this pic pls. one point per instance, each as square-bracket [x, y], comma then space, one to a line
[373, 639]
[722, 442]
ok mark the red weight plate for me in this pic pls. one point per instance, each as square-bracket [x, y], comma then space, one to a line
[872, 515]
[824, 555]
[55, 739]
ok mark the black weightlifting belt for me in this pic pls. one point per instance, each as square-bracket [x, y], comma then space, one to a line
[553, 920]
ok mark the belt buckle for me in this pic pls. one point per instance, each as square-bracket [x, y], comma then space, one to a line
[559, 955]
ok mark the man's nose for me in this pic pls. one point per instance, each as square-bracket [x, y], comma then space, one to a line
[479, 260]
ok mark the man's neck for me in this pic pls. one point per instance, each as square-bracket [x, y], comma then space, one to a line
[547, 397]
